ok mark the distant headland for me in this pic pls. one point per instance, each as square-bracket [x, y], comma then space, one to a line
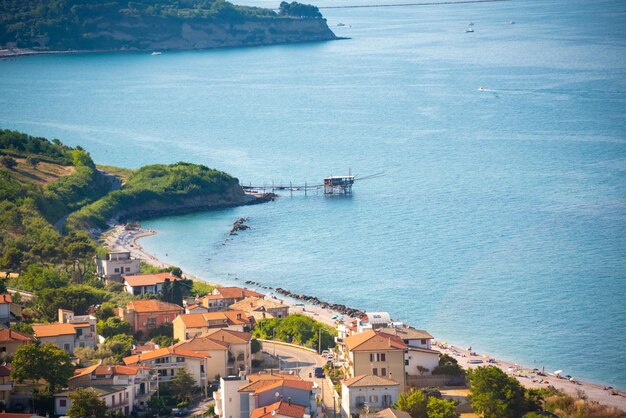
[44, 27]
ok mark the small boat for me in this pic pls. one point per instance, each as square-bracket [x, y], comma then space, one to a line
[471, 23]
[341, 24]
[155, 53]
[482, 89]
[469, 30]
[512, 22]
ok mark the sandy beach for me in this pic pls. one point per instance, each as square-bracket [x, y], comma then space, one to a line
[120, 239]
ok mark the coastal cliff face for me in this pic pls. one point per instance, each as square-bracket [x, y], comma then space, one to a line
[146, 34]
[233, 195]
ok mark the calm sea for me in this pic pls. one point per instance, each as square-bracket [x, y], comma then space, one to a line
[501, 220]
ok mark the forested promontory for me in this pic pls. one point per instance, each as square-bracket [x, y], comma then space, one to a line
[87, 25]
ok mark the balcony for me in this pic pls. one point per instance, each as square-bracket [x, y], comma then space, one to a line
[7, 386]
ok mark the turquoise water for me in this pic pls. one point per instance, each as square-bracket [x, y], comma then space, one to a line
[500, 222]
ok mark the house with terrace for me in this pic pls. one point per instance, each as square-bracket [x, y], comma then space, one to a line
[146, 315]
[261, 308]
[367, 393]
[188, 326]
[142, 284]
[11, 340]
[222, 297]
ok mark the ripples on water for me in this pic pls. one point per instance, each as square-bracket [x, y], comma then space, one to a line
[500, 222]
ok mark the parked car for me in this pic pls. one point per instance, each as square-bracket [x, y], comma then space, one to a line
[319, 372]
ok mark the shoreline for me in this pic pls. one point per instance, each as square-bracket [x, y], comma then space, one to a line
[117, 238]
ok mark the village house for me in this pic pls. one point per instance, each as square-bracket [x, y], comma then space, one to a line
[373, 320]
[6, 386]
[188, 326]
[135, 378]
[367, 392]
[72, 331]
[260, 308]
[114, 265]
[169, 360]
[195, 307]
[391, 413]
[246, 396]
[146, 315]
[222, 297]
[11, 340]
[9, 311]
[375, 353]
[419, 358]
[280, 409]
[230, 351]
[116, 398]
[144, 284]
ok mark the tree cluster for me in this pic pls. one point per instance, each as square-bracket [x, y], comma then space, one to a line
[296, 329]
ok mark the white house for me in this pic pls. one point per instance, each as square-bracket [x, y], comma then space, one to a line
[142, 284]
[374, 320]
[367, 392]
[114, 265]
[117, 399]
[72, 331]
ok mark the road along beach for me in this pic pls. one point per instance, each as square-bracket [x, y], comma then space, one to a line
[121, 239]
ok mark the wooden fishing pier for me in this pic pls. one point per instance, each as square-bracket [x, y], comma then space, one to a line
[332, 185]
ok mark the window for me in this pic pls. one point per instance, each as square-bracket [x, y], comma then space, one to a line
[62, 403]
[92, 328]
[66, 347]
[406, 362]
[117, 270]
[360, 400]
[375, 371]
[3, 350]
[79, 331]
[374, 398]
[423, 341]
[81, 345]
[113, 400]
[202, 368]
[127, 269]
[383, 357]
[378, 357]
[387, 400]
[383, 372]
[180, 359]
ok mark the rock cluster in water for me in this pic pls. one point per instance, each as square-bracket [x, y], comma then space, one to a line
[313, 300]
[239, 225]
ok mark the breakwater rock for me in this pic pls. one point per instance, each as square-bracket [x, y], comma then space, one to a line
[313, 300]
[239, 225]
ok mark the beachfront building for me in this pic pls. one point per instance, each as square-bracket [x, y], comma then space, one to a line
[260, 308]
[195, 307]
[146, 315]
[375, 353]
[420, 358]
[72, 331]
[245, 396]
[373, 320]
[11, 340]
[230, 351]
[412, 337]
[222, 297]
[115, 264]
[143, 284]
[367, 393]
[135, 378]
[188, 326]
[116, 398]
[169, 360]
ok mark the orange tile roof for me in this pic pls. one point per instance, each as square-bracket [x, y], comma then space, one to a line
[236, 293]
[148, 279]
[199, 320]
[8, 335]
[54, 330]
[256, 303]
[14, 415]
[5, 298]
[367, 380]
[260, 380]
[228, 336]
[162, 352]
[279, 408]
[392, 413]
[295, 384]
[153, 305]
[373, 340]
[408, 333]
[202, 344]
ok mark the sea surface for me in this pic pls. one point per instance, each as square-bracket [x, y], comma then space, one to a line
[500, 221]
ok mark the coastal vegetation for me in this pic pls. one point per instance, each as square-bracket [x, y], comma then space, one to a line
[155, 188]
[421, 404]
[88, 25]
[296, 329]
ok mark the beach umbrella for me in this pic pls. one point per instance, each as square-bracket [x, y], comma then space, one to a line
[558, 371]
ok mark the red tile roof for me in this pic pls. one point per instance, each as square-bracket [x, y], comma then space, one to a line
[9, 335]
[148, 279]
[5, 298]
[162, 352]
[368, 380]
[199, 320]
[236, 293]
[374, 340]
[295, 384]
[279, 408]
[55, 330]
[153, 305]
